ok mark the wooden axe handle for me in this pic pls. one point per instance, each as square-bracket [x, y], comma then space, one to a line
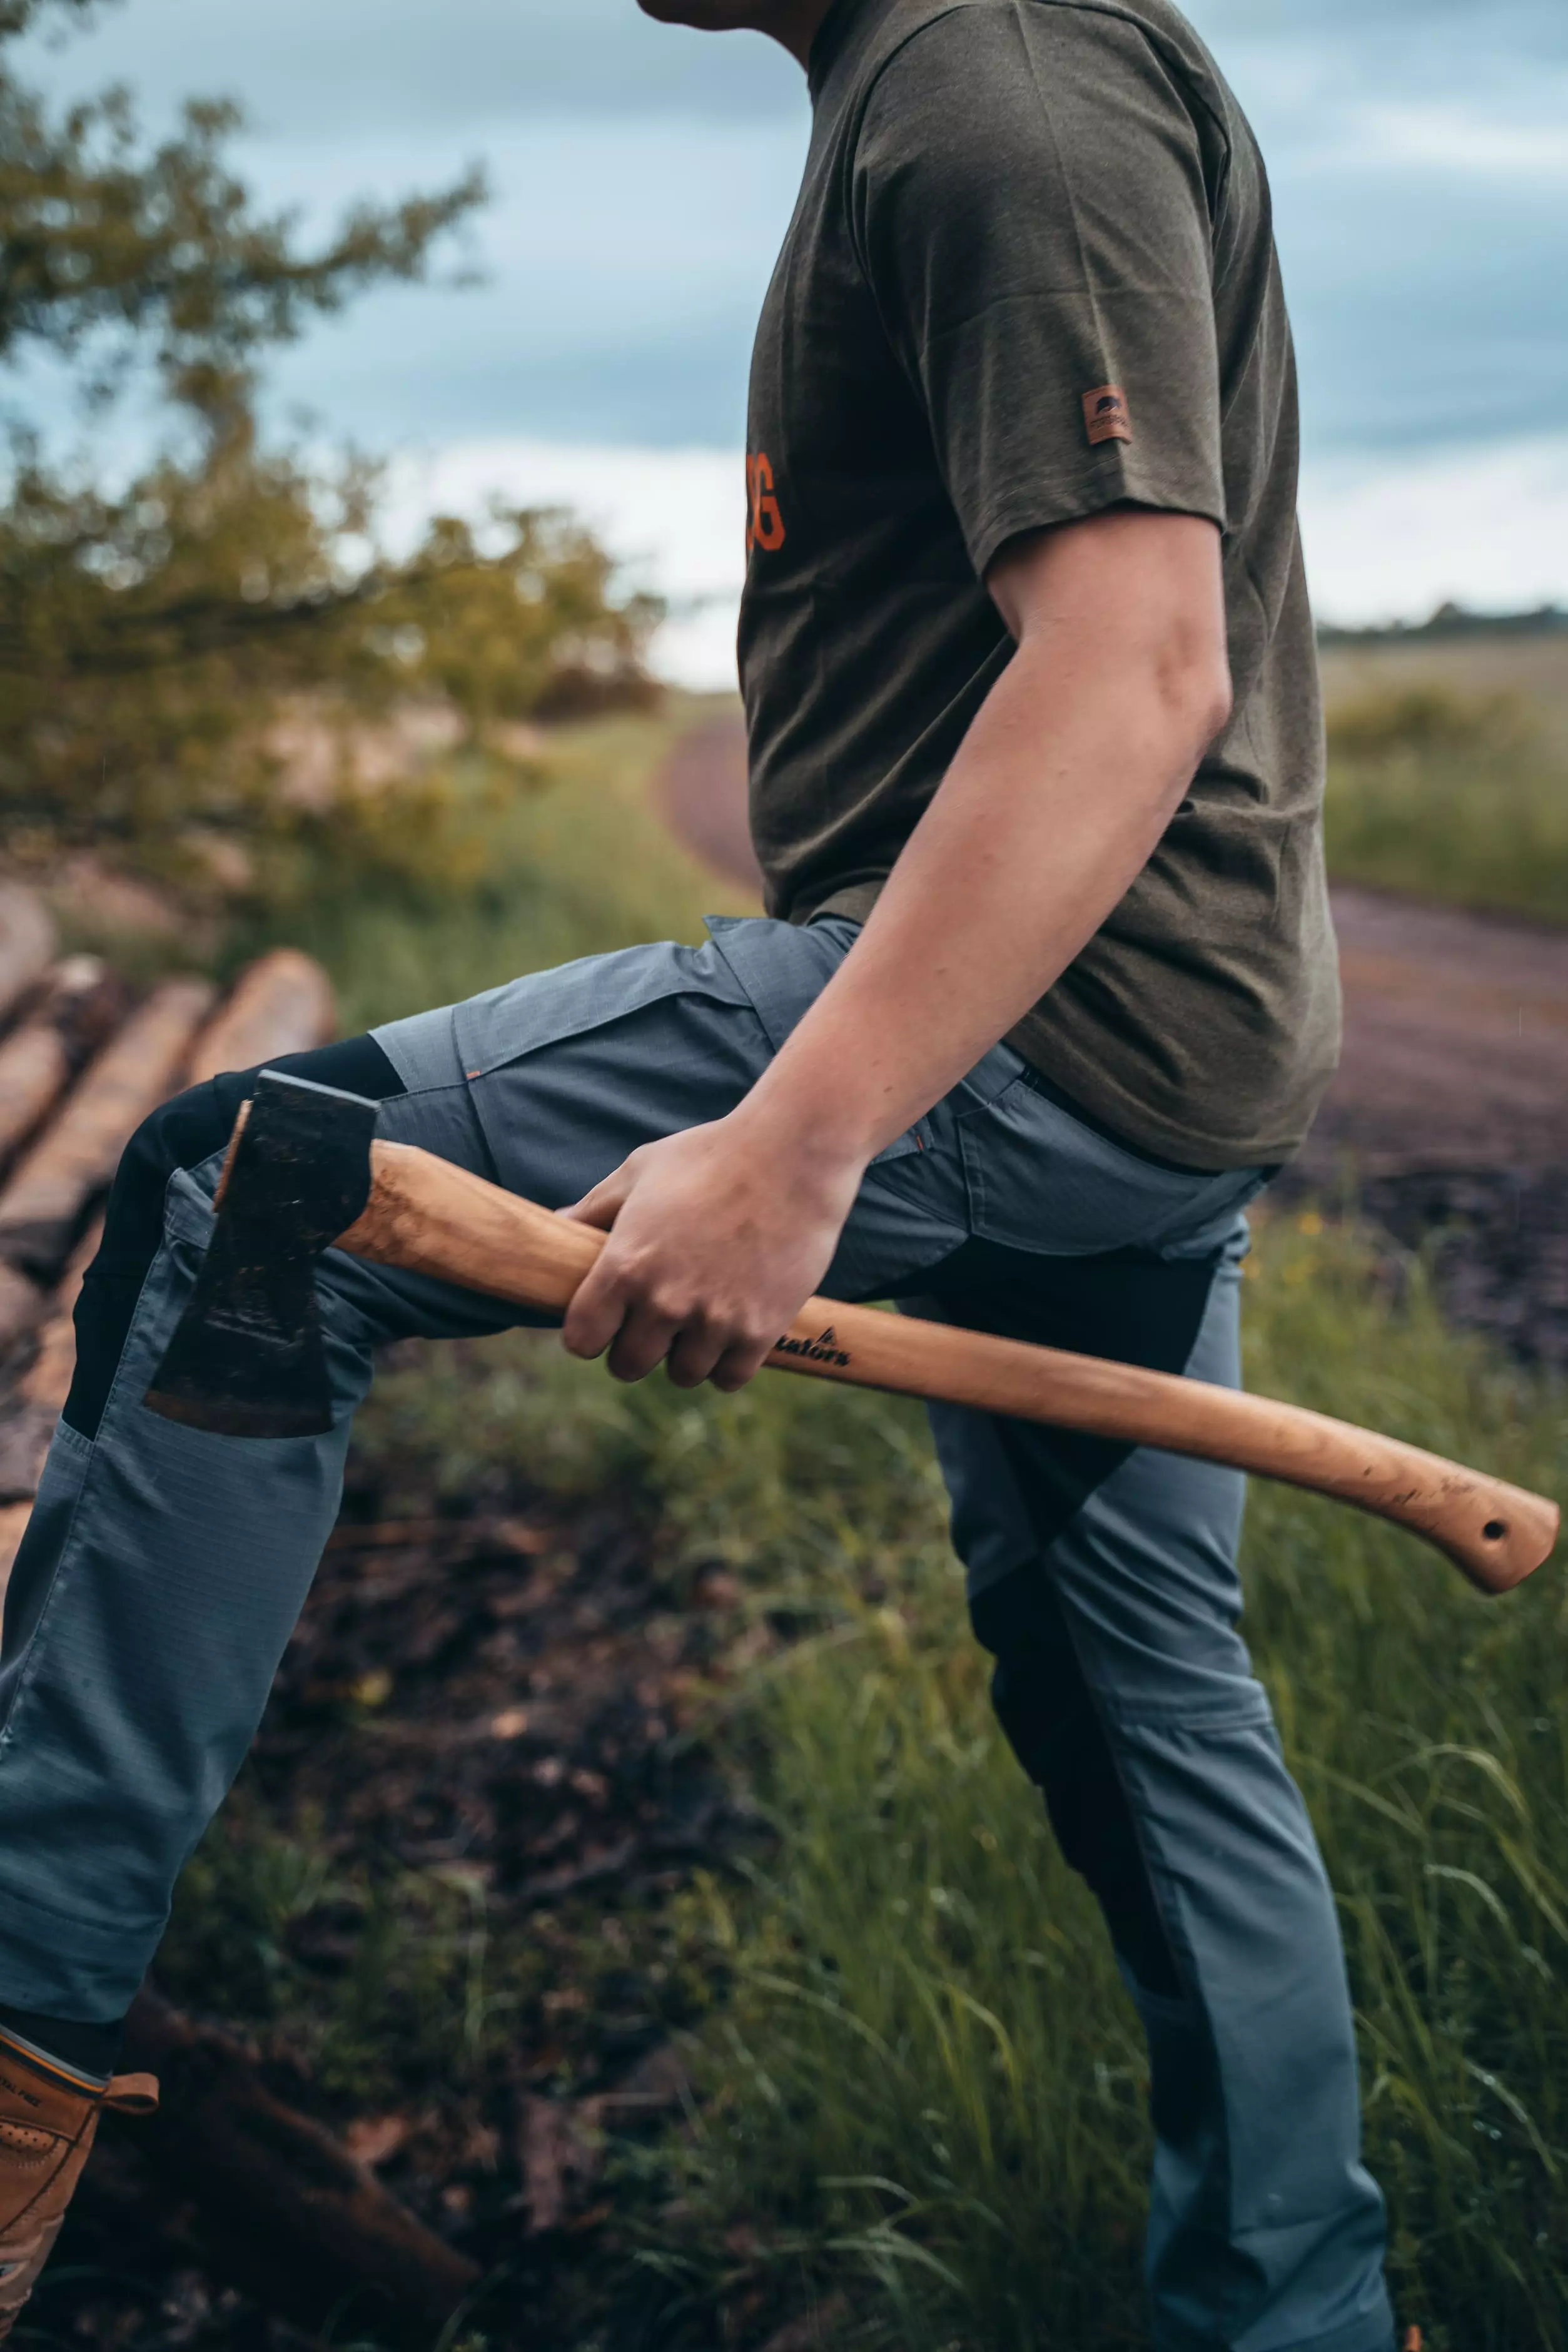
[429, 1217]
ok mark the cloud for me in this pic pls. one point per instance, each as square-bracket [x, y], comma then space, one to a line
[1484, 528]
[674, 518]
[645, 178]
[426, 68]
[1385, 541]
[1456, 141]
[625, 265]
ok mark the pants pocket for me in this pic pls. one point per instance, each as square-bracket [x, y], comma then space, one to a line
[550, 1008]
[38, 1557]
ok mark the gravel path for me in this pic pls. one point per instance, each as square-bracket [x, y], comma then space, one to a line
[1450, 1110]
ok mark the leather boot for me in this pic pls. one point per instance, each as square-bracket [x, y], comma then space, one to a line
[48, 2120]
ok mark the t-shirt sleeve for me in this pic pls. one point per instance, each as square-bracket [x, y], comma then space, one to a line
[1030, 211]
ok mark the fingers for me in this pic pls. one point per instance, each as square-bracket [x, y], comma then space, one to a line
[716, 1352]
[604, 1203]
[642, 1344]
[692, 1349]
[672, 1281]
[620, 1314]
[740, 1364]
[636, 1333]
[597, 1311]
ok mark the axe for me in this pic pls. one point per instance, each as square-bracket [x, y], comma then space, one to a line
[305, 1173]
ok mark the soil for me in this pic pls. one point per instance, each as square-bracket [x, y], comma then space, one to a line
[1448, 1123]
[511, 1705]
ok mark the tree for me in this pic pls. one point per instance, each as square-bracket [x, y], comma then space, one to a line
[149, 634]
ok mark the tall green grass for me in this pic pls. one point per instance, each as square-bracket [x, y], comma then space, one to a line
[1447, 795]
[924, 2093]
[929, 2059]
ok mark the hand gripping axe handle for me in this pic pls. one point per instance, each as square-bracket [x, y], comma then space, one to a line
[306, 1172]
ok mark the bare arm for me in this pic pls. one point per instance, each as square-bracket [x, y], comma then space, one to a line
[1057, 799]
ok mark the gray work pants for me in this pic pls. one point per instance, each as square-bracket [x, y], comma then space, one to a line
[164, 1569]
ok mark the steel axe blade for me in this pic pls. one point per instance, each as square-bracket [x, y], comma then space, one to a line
[248, 1358]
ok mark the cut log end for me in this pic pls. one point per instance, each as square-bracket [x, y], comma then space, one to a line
[27, 944]
[281, 1004]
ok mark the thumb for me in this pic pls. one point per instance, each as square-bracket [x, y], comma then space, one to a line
[604, 1203]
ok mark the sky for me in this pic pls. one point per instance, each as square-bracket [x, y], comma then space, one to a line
[643, 177]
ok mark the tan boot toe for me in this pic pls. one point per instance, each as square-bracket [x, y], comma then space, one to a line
[47, 2130]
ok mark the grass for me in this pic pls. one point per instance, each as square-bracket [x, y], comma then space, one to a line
[1449, 770]
[1447, 795]
[923, 2092]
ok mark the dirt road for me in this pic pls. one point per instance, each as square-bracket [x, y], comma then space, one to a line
[1450, 1109]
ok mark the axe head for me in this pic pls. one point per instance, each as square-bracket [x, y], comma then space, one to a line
[247, 1358]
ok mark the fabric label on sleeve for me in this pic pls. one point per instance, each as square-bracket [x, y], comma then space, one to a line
[1105, 414]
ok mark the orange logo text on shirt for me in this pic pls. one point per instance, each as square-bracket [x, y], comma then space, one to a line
[764, 523]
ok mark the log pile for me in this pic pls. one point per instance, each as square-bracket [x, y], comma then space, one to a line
[268, 2197]
[81, 1064]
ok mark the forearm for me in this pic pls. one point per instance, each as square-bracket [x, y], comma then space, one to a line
[1034, 836]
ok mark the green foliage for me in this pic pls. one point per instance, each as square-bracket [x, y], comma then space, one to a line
[929, 2055]
[162, 251]
[1408, 721]
[149, 641]
[1451, 795]
[371, 1973]
[390, 1984]
[926, 2087]
[151, 635]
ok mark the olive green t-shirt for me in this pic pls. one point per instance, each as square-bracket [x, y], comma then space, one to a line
[1030, 276]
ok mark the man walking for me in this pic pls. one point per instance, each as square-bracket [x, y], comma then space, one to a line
[1046, 993]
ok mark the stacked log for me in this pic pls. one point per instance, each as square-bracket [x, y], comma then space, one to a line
[41, 1396]
[76, 1079]
[227, 2176]
[44, 1203]
[27, 944]
[281, 1005]
[23, 1306]
[77, 1007]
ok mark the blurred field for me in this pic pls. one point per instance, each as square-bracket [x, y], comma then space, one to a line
[1449, 769]
[921, 2089]
[1534, 665]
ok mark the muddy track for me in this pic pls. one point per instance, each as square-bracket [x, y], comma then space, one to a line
[1449, 1114]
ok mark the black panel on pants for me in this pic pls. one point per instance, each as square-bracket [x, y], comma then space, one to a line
[1141, 1310]
[1054, 1728]
[1126, 1305]
[181, 1133]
